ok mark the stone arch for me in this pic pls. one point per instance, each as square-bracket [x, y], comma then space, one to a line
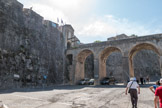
[102, 60]
[137, 48]
[80, 60]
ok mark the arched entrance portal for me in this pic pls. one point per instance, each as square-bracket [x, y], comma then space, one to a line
[114, 66]
[68, 75]
[137, 48]
[103, 58]
[80, 64]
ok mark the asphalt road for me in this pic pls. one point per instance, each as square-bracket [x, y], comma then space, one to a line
[75, 97]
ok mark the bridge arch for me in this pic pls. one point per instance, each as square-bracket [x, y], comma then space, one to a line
[80, 62]
[137, 48]
[102, 60]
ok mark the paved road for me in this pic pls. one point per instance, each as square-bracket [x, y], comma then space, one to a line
[75, 97]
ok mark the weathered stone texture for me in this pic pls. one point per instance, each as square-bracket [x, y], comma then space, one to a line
[30, 47]
[146, 62]
[89, 67]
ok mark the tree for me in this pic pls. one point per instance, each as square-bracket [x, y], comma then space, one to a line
[97, 41]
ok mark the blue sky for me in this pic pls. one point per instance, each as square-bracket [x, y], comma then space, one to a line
[135, 10]
[101, 19]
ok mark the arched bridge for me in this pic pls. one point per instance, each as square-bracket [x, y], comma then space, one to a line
[127, 47]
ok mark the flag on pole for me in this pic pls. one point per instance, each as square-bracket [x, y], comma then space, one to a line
[61, 21]
[57, 20]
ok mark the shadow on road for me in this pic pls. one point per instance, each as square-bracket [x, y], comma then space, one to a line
[67, 87]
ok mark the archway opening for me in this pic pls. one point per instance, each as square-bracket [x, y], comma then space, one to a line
[114, 66]
[80, 65]
[146, 65]
[68, 75]
[141, 58]
[105, 59]
[89, 67]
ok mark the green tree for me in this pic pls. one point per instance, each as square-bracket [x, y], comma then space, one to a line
[97, 41]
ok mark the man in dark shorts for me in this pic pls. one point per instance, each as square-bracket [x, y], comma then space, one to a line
[158, 93]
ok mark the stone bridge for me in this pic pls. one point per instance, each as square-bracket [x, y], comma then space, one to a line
[127, 47]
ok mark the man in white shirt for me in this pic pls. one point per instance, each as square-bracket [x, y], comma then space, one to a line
[132, 86]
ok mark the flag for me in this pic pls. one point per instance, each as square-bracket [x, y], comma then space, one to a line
[61, 21]
[57, 20]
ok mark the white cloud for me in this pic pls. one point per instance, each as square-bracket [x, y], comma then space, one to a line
[103, 27]
[70, 11]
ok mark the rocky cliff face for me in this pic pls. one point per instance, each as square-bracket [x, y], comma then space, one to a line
[30, 47]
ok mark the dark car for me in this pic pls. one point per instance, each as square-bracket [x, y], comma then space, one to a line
[108, 81]
[84, 81]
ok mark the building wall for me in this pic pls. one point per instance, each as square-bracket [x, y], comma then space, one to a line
[30, 48]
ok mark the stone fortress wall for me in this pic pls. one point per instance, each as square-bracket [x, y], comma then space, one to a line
[31, 48]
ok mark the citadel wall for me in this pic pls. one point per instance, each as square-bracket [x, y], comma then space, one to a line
[31, 48]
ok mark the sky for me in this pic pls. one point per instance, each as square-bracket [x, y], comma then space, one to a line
[100, 19]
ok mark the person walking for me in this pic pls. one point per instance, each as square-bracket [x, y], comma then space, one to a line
[158, 95]
[132, 86]
[147, 79]
[153, 88]
[141, 79]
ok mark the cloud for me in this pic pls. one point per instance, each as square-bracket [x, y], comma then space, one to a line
[88, 27]
[70, 11]
[100, 28]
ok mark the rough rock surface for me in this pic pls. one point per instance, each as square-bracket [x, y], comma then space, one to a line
[30, 47]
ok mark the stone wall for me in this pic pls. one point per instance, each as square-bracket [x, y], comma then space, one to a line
[30, 47]
[89, 67]
[114, 66]
[146, 63]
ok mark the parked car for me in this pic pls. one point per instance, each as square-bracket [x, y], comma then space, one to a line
[108, 81]
[84, 81]
[91, 82]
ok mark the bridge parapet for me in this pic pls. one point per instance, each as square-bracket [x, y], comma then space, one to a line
[156, 37]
